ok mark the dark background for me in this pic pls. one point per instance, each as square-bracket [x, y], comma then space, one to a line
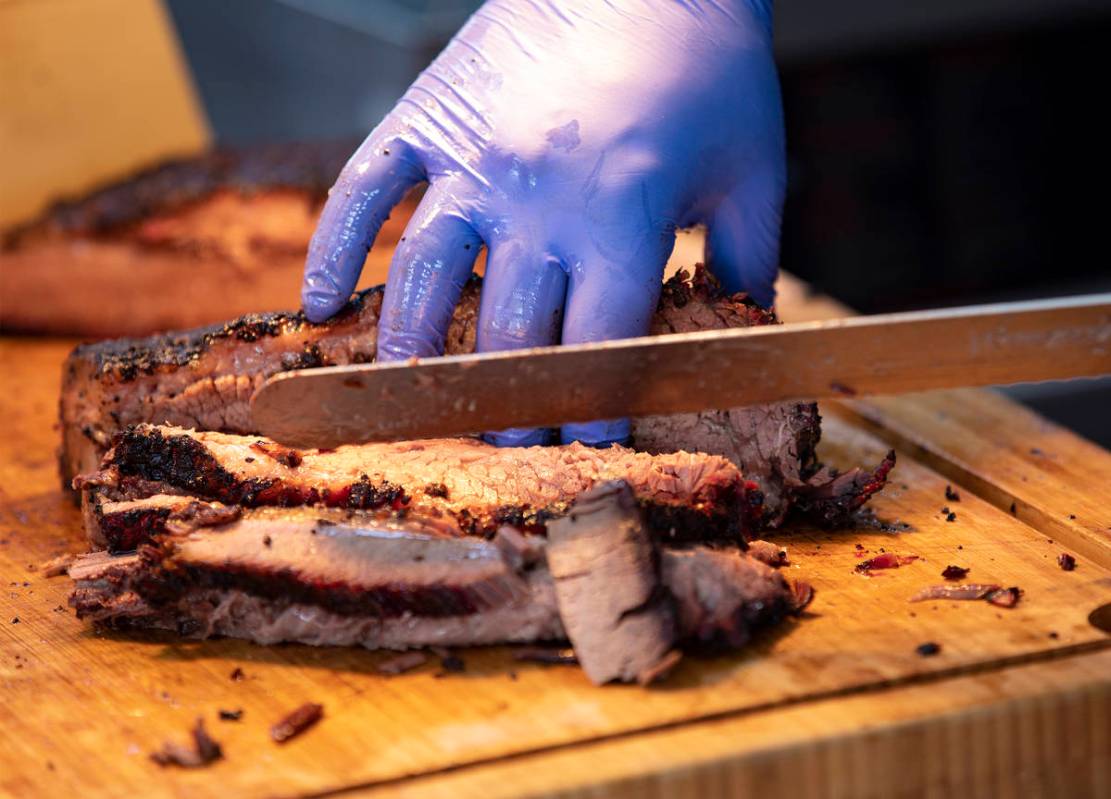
[940, 153]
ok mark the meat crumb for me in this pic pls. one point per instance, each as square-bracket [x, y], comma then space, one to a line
[15, 619]
[951, 494]
[297, 722]
[406, 661]
[237, 675]
[204, 750]
[1005, 597]
[927, 649]
[950, 517]
[231, 715]
[888, 560]
[954, 572]
[56, 567]
[1066, 561]
[546, 655]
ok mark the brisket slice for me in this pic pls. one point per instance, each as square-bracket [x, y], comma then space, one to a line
[205, 378]
[607, 583]
[200, 240]
[460, 485]
[288, 577]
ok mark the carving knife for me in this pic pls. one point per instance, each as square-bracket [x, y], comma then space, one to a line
[685, 372]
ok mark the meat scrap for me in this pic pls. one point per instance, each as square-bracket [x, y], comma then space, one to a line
[888, 560]
[201, 750]
[995, 594]
[1005, 597]
[55, 567]
[767, 552]
[296, 722]
[1066, 561]
[830, 500]
[954, 572]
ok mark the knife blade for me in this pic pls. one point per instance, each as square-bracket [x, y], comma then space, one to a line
[688, 372]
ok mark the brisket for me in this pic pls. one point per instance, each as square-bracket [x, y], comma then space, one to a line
[205, 378]
[200, 240]
[606, 581]
[460, 485]
[317, 581]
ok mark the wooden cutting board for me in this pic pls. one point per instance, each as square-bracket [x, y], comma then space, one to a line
[837, 703]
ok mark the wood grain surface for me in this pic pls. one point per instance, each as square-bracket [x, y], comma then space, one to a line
[831, 703]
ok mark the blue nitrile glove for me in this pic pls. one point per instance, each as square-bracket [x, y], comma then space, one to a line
[571, 137]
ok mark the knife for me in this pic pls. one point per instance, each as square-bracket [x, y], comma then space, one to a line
[686, 372]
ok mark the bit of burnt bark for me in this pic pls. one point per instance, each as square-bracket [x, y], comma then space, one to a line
[297, 722]
[952, 494]
[202, 751]
[231, 715]
[237, 675]
[928, 649]
[954, 572]
[950, 516]
[436, 490]
[452, 663]
[1066, 561]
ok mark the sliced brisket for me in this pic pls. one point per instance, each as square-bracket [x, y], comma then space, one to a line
[271, 578]
[464, 485]
[204, 379]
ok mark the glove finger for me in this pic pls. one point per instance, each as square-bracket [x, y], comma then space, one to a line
[368, 187]
[522, 306]
[742, 248]
[612, 296]
[429, 268]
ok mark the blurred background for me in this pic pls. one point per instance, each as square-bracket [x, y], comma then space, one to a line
[940, 153]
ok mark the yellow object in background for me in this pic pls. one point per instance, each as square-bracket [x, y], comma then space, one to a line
[90, 91]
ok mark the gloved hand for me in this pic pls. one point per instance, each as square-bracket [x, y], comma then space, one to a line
[571, 137]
